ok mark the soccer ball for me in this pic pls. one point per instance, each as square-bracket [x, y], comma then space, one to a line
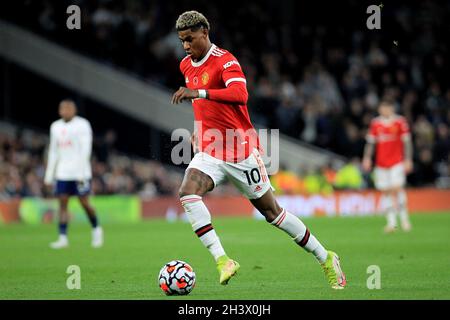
[176, 278]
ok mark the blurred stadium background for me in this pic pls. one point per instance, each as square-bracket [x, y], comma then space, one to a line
[314, 71]
[315, 74]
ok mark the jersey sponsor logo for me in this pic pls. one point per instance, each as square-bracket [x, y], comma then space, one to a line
[205, 78]
[230, 63]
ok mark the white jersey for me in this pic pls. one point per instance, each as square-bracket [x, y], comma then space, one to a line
[69, 151]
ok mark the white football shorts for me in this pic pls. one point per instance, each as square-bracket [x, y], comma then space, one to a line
[249, 176]
[389, 178]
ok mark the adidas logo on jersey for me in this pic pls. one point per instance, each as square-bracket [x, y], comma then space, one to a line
[187, 80]
[258, 188]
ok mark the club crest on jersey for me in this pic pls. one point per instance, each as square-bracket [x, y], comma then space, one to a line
[205, 78]
[195, 80]
[393, 129]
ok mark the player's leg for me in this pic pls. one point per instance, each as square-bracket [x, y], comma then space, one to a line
[383, 183]
[200, 177]
[194, 186]
[250, 177]
[399, 180]
[388, 204]
[97, 231]
[63, 216]
[402, 205]
[293, 226]
[289, 223]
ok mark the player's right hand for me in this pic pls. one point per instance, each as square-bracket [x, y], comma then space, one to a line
[184, 94]
[367, 164]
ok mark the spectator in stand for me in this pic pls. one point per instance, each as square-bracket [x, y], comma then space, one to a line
[22, 169]
[442, 143]
[287, 182]
[316, 183]
[350, 176]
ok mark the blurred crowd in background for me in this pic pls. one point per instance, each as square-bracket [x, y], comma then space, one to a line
[23, 154]
[22, 168]
[315, 75]
[23, 159]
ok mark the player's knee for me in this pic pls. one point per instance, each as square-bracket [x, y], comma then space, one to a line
[191, 189]
[186, 191]
[182, 193]
[63, 200]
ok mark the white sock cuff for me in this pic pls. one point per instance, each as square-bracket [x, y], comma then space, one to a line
[278, 220]
[190, 198]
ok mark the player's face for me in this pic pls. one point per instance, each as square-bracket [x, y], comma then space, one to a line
[67, 110]
[195, 43]
[386, 110]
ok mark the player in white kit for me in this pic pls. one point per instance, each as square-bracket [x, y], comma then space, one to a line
[69, 169]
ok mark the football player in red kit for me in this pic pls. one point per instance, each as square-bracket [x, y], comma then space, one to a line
[216, 85]
[390, 134]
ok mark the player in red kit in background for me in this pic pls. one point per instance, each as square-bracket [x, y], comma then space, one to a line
[216, 85]
[390, 134]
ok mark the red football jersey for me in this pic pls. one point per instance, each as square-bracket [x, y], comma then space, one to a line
[388, 135]
[224, 130]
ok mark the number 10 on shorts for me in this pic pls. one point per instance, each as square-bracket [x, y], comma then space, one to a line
[254, 176]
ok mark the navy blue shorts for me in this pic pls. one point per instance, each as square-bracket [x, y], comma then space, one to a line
[73, 188]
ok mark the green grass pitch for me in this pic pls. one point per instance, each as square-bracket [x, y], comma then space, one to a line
[413, 265]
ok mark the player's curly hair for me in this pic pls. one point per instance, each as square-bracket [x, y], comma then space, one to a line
[191, 20]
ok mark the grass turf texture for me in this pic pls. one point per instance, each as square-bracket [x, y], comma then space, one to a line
[413, 265]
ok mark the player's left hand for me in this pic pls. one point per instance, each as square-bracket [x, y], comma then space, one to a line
[184, 94]
[408, 165]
